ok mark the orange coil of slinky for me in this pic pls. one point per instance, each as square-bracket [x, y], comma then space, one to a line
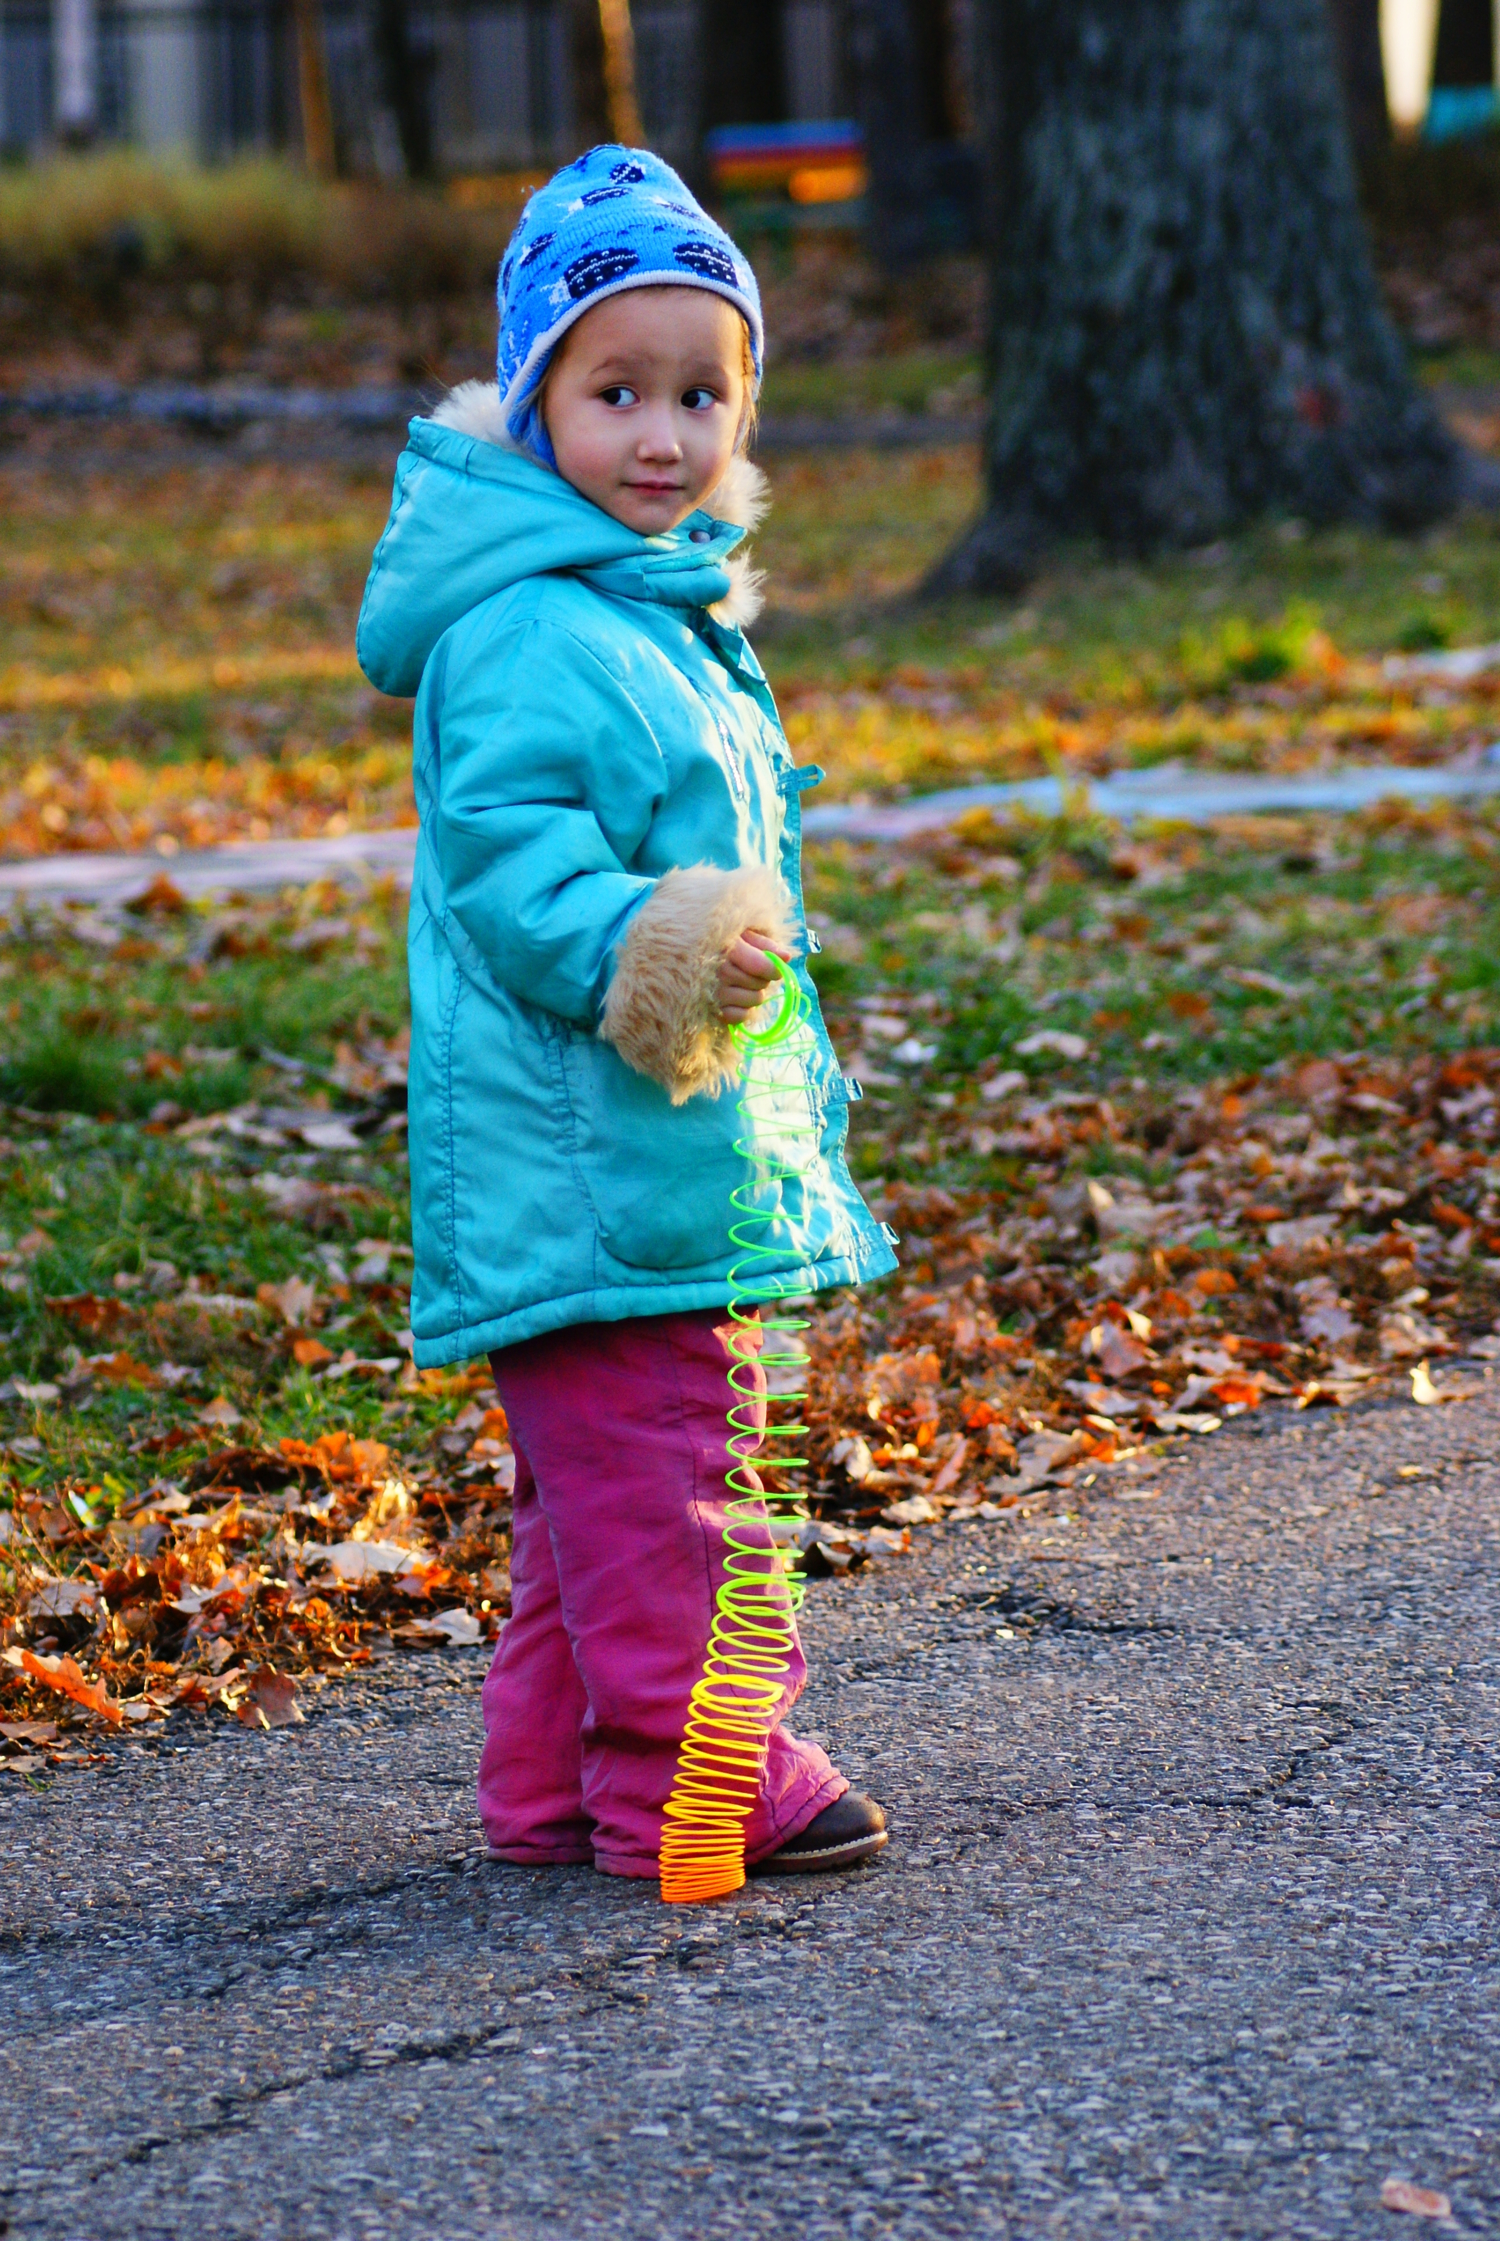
[733, 1704]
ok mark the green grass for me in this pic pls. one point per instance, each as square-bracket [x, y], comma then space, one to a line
[928, 381]
[93, 222]
[92, 1047]
[1163, 630]
[1379, 935]
[118, 1036]
[1464, 366]
[179, 652]
[1178, 958]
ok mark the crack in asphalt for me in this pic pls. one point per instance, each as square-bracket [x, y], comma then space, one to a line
[18, 1939]
[686, 1950]
[195, 1947]
[595, 1978]
[1299, 1693]
[1035, 1613]
[235, 2112]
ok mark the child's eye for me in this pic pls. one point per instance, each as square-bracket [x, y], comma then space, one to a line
[699, 400]
[618, 394]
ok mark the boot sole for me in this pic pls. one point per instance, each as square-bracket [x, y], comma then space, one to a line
[825, 1862]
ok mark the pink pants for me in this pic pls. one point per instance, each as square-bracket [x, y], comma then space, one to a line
[619, 1431]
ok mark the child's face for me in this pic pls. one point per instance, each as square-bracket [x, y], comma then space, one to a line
[644, 402]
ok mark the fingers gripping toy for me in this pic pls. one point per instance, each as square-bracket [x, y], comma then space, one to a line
[733, 1704]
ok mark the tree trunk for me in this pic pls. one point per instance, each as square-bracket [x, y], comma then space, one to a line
[1356, 39]
[406, 76]
[618, 36]
[1464, 51]
[1186, 331]
[743, 70]
[312, 89]
[590, 93]
[890, 99]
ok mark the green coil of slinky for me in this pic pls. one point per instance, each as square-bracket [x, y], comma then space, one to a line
[751, 1640]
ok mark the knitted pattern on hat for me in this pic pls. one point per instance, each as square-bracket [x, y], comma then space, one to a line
[618, 218]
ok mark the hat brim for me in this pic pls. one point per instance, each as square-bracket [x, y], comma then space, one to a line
[529, 374]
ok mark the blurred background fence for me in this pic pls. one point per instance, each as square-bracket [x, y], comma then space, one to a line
[211, 79]
[216, 78]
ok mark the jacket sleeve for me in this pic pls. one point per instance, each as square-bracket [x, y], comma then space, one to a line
[548, 779]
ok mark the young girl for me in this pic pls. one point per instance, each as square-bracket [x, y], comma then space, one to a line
[609, 848]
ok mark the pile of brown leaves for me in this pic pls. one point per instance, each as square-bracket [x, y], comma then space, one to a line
[1321, 1228]
[1134, 1276]
[262, 1566]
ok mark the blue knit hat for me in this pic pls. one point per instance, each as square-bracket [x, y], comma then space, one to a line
[618, 218]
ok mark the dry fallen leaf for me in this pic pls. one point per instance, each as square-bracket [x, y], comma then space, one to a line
[1328, 1321]
[1059, 1039]
[1409, 1333]
[1290, 1236]
[1420, 2202]
[1213, 1283]
[948, 1475]
[62, 1674]
[122, 1369]
[271, 1701]
[1425, 1393]
[359, 1560]
[293, 1301]
[87, 1311]
[1236, 1393]
[162, 899]
[1118, 1352]
[62, 1598]
[459, 1628]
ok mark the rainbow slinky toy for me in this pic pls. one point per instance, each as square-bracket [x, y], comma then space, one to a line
[750, 1642]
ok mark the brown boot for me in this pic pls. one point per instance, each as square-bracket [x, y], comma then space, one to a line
[841, 1836]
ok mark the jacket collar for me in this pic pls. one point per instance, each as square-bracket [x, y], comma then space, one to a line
[685, 567]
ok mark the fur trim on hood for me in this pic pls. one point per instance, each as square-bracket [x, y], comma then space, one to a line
[473, 409]
[743, 495]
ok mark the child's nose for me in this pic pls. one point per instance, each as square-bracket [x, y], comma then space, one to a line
[658, 439]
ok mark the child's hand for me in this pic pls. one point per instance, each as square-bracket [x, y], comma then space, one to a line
[746, 973]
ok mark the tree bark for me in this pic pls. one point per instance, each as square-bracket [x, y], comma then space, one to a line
[407, 76]
[618, 34]
[1464, 52]
[1186, 331]
[743, 73]
[1356, 38]
[890, 99]
[318, 149]
[590, 93]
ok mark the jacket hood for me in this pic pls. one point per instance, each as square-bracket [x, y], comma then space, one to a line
[471, 517]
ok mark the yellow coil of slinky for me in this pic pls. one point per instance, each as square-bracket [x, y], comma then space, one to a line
[751, 1640]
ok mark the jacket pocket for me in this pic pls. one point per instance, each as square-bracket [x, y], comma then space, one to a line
[658, 1177]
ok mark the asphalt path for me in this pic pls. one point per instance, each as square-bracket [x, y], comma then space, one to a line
[1187, 1925]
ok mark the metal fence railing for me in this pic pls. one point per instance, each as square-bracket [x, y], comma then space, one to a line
[215, 77]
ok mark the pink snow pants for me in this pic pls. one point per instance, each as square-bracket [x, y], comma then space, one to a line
[619, 1433]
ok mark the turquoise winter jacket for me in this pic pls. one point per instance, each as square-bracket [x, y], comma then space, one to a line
[584, 726]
